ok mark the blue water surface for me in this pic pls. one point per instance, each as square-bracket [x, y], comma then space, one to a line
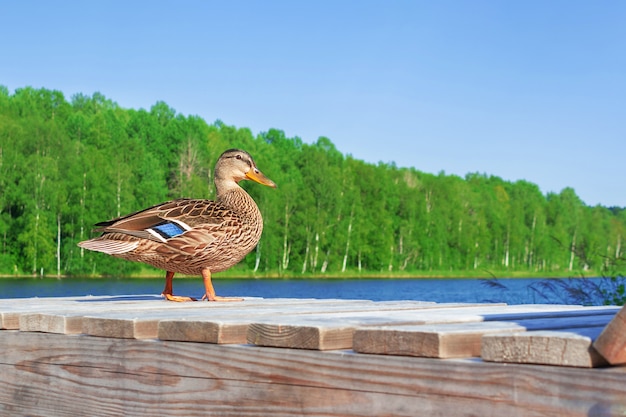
[512, 291]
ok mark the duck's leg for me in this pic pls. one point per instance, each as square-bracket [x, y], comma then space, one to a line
[209, 293]
[168, 290]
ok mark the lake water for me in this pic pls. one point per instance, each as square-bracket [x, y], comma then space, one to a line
[512, 291]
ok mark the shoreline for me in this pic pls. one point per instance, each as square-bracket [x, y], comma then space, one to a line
[337, 276]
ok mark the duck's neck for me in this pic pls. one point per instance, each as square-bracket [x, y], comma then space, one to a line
[238, 200]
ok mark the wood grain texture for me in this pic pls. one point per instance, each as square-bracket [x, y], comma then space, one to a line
[459, 340]
[562, 348]
[335, 331]
[12, 309]
[46, 374]
[231, 327]
[322, 336]
[611, 343]
[429, 341]
[120, 327]
[444, 331]
[50, 323]
[9, 320]
[204, 330]
[70, 315]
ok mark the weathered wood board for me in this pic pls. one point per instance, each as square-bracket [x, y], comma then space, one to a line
[611, 343]
[77, 375]
[336, 332]
[118, 317]
[545, 347]
[439, 330]
[230, 323]
[217, 331]
[233, 328]
[460, 340]
[50, 323]
[12, 309]
[68, 317]
[127, 370]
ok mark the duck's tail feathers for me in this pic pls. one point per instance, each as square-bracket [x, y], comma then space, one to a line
[110, 247]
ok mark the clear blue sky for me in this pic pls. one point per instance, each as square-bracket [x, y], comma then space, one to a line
[532, 90]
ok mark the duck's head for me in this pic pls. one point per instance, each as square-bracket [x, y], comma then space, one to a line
[235, 165]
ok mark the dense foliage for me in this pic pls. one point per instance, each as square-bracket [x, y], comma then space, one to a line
[67, 165]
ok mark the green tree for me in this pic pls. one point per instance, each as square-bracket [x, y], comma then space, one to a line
[67, 165]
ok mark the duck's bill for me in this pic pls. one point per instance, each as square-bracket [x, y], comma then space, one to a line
[257, 176]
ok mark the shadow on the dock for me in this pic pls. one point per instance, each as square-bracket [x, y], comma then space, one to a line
[123, 298]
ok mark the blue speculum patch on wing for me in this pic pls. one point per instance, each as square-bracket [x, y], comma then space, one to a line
[168, 230]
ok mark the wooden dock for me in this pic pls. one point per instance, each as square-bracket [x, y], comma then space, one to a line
[142, 356]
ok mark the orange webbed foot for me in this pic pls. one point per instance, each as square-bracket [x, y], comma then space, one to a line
[178, 298]
[221, 299]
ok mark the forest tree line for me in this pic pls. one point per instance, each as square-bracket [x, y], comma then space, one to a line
[65, 165]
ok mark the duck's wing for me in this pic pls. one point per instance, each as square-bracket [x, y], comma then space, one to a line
[166, 220]
[208, 226]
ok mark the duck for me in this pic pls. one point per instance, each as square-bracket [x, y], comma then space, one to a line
[192, 236]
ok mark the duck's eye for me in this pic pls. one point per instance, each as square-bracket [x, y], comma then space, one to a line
[238, 157]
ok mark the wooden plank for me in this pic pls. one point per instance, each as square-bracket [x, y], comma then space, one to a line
[45, 374]
[12, 309]
[127, 324]
[336, 331]
[56, 317]
[456, 340]
[9, 320]
[233, 328]
[562, 348]
[316, 336]
[611, 343]
[67, 318]
[50, 323]
[204, 331]
[429, 341]
[120, 328]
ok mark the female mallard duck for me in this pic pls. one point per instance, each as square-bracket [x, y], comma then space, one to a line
[188, 236]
